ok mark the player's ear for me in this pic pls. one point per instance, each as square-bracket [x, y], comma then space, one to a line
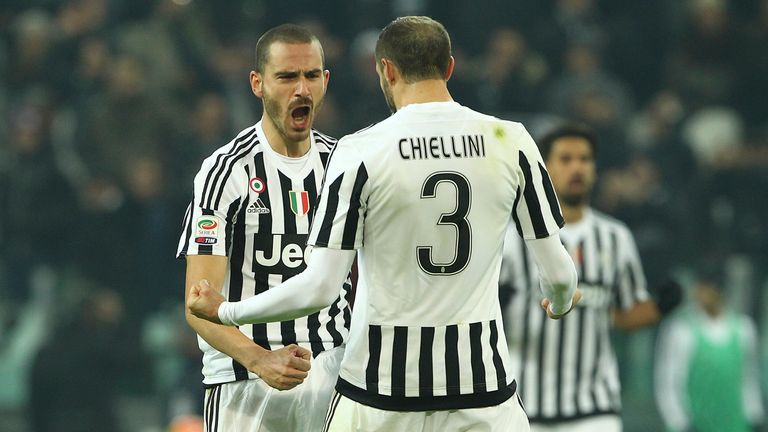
[257, 83]
[449, 69]
[326, 77]
[389, 70]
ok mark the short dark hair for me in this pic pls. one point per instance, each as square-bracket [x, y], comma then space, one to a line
[418, 45]
[577, 130]
[286, 33]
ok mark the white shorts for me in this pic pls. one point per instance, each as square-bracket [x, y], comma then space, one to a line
[253, 406]
[346, 415]
[601, 423]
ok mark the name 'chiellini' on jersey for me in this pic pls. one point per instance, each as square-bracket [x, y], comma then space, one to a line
[441, 147]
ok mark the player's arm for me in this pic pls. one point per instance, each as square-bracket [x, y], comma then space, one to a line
[309, 291]
[635, 308]
[558, 275]
[640, 315]
[282, 369]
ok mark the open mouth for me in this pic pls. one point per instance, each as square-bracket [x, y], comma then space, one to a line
[300, 116]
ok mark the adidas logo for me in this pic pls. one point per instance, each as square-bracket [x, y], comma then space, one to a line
[257, 207]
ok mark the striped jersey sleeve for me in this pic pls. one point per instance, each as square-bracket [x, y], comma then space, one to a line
[340, 216]
[218, 193]
[631, 286]
[536, 210]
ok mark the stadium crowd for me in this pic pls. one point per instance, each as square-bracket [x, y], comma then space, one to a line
[107, 108]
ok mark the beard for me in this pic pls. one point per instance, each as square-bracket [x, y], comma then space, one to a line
[274, 112]
[574, 199]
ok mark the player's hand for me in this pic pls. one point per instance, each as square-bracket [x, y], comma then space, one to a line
[204, 301]
[284, 368]
[576, 299]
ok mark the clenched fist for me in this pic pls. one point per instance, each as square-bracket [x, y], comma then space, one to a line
[203, 301]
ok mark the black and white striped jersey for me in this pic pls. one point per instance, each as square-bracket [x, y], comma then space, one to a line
[255, 206]
[567, 368]
[425, 197]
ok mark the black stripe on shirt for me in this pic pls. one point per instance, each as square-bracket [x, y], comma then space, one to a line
[600, 266]
[217, 409]
[353, 214]
[452, 372]
[425, 362]
[417, 403]
[476, 356]
[399, 359]
[211, 179]
[347, 310]
[233, 210]
[260, 336]
[313, 326]
[579, 318]
[333, 315]
[551, 197]
[206, 249]
[187, 228]
[532, 200]
[560, 366]
[288, 328]
[501, 374]
[289, 217]
[525, 292]
[374, 351]
[330, 212]
[519, 227]
[311, 187]
[236, 261]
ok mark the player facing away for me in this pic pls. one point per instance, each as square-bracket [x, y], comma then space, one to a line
[245, 232]
[424, 197]
[567, 369]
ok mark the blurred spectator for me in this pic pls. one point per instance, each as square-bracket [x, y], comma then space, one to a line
[588, 93]
[707, 377]
[37, 206]
[207, 129]
[703, 64]
[79, 374]
[511, 76]
[23, 330]
[730, 215]
[752, 64]
[175, 357]
[652, 192]
[361, 84]
[30, 49]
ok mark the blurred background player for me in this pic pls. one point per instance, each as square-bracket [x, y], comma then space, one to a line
[569, 378]
[707, 376]
[245, 232]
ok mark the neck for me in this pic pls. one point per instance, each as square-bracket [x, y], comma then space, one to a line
[572, 214]
[280, 143]
[714, 311]
[434, 90]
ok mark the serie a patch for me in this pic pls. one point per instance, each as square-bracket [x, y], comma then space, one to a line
[207, 230]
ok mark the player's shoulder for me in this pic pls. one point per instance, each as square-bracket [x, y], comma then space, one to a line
[368, 131]
[324, 142]
[501, 126]
[609, 221]
[360, 140]
[246, 141]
